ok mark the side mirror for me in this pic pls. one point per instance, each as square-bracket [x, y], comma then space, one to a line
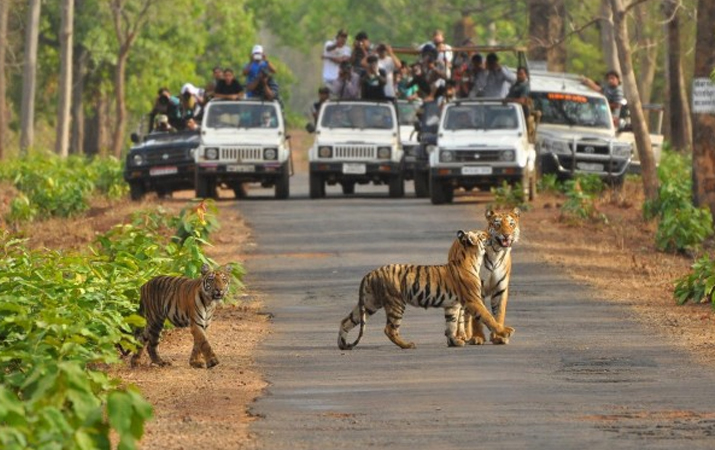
[135, 138]
[310, 128]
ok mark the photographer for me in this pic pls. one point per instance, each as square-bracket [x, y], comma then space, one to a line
[263, 86]
[347, 86]
[373, 80]
[361, 48]
[259, 63]
[168, 105]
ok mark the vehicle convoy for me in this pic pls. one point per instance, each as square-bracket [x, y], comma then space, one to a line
[407, 115]
[243, 141]
[481, 144]
[576, 133]
[426, 125]
[356, 142]
[162, 162]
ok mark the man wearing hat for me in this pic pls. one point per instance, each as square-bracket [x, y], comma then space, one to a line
[335, 52]
[259, 63]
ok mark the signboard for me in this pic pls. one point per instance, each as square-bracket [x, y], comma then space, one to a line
[703, 96]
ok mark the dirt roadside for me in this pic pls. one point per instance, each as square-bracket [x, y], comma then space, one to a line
[208, 408]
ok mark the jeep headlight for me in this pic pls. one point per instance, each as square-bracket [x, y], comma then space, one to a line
[384, 152]
[325, 152]
[507, 155]
[446, 156]
[557, 147]
[211, 153]
[138, 160]
[270, 154]
[621, 151]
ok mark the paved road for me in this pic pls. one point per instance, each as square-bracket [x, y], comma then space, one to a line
[578, 374]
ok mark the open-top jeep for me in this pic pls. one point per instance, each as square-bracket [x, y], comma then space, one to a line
[162, 162]
[480, 144]
[356, 142]
[242, 142]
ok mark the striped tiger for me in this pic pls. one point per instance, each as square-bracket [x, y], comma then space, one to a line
[495, 274]
[185, 302]
[450, 286]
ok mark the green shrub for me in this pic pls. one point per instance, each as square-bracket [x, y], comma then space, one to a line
[581, 194]
[549, 182]
[699, 285]
[508, 196]
[681, 226]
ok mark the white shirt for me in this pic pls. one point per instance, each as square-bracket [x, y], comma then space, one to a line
[330, 68]
[388, 65]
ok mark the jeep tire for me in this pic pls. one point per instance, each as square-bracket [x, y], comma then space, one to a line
[440, 192]
[397, 187]
[282, 187]
[317, 186]
[136, 191]
[421, 184]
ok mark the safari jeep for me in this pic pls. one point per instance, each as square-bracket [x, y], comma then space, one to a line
[356, 142]
[243, 141]
[480, 144]
[576, 133]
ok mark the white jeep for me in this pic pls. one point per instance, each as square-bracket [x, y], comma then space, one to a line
[576, 133]
[242, 142]
[481, 143]
[356, 142]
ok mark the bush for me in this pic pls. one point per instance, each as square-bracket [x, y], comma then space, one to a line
[507, 196]
[681, 226]
[581, 193]
[699, 285]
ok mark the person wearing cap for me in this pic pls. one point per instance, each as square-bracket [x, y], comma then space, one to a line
[162, 124]
[442, 52]
[334, 53]
[387, 61]
[323, 96]
[347, 85]
[498, 80]
[259, 63]
[192, 102]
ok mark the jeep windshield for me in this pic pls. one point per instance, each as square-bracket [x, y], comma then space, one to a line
[237, 115]
[481, 117]
[360, 116]
[559, 108]
[407, 112]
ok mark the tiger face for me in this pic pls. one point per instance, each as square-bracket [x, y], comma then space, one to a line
[215, 283]
[503, 228]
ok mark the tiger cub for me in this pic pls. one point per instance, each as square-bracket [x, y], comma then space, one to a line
[185, 302]
[452, 286]
[503, 229]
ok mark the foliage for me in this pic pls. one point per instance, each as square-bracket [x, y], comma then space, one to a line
[549, 182]
[699, 285]
[681, 225]
[507, 196]
[52, 186]
[581, 194]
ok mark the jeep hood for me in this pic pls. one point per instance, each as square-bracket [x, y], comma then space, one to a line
[570, 133]
[336, 136]
[242, 137]
[488, 139]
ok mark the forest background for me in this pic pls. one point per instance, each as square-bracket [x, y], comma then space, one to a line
[124, 50]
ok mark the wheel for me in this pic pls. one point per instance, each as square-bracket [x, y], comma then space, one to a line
[397, 187]
[206, 187]
[162, 193]
[440, 192]
[348, 187]
[317, 186]
[282, 188]
[421, 184]
[136, 191]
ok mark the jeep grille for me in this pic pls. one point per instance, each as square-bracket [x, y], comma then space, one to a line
[241, 153]
[491, 155]
[355, 152]
[167, 156]
[592, 149]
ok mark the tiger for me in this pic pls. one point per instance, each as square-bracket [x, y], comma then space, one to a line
[451, 286]
[495, 274]
[186, 302]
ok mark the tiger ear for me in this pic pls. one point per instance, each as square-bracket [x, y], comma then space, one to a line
[489, 213]
[460, 236]
[205, 269]
[516, 212]
[228, 268]
[464, 238]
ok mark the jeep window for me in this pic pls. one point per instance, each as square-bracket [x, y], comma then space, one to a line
[242, 116]
[483, 117]
[572, 109]
[378, 117]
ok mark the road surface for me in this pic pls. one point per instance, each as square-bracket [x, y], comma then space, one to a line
[578, 374]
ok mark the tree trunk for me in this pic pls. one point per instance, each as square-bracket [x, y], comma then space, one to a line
[27, 114]
[79, 74]
[608, 40]
[464, 30]
[704, 124]
[63, 111]
[678, 116]
[4, 14]
[543, 34]
[648, 56]
[640, 127]
[120, 104]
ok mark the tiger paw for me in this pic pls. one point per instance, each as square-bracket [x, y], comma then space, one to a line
[476, 340]
[161, 362]
[197, 364]
[212, 362]
[502, 337]
[455, 342]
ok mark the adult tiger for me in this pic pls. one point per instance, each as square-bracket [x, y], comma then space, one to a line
[185, 302]
[495, 274]
[452, 286]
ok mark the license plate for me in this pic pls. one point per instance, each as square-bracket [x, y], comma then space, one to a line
[355, 169]
[591, 167]
[159, 171]
[477, 170]
[240, 168]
